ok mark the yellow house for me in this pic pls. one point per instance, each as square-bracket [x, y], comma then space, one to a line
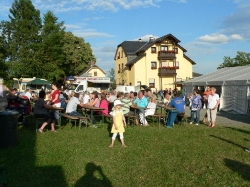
[159, 63]
[93, 71]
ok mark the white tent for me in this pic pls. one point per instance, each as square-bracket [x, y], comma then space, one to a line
[233, 84]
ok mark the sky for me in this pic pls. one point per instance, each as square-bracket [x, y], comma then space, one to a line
[207, 29]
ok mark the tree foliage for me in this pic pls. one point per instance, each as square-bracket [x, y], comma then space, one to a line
[241, 59]
[111, 75]
[32, 47]
[78, 54]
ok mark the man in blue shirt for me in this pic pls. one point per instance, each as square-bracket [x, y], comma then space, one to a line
[142, 103]
[179, 104]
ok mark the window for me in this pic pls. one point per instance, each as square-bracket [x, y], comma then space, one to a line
[129, 67]
[164, 48]
[95, 73]
[153, 65]
[79, 88]
[153, 49]
[165, 64]
[122, 67]
[118, 57]
[151, 83]
[121, 54]
[119, 69]
[176, 50]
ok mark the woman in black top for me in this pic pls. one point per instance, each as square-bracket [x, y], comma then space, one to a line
[41, 111]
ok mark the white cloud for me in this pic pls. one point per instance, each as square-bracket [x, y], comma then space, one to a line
[146, 37]
[178, 1]
[76, 5]
[69, 26]
[91, 33]
[93, 18]
[108, 49]
[217, 38]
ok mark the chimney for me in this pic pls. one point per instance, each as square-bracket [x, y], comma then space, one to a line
[139, 39]
[92, 63]
[151, 39]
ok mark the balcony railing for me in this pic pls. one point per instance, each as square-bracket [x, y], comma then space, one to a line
[167, 71]
[165, 55]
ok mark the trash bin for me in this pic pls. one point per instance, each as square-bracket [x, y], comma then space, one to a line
[170, 118]
[8, 129]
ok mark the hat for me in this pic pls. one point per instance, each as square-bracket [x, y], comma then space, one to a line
[118, 102]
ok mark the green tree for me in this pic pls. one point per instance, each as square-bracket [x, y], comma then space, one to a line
[78, 54]
[241, 59]
[111, 75]
[50, 56]
[3, 55]
[22, 36]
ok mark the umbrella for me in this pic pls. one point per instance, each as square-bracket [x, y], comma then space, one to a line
[38, 81]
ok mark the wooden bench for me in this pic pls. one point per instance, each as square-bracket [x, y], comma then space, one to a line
[157, 117]
[38, 120]
[130, 118]
[70, 118]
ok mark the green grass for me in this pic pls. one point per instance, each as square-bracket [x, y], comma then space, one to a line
[187, 155]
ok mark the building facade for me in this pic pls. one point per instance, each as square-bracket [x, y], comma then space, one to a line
[93, 71]
[158, 63]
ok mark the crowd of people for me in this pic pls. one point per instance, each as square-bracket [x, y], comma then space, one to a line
[138, 104]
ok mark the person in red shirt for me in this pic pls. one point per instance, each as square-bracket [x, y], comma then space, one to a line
[55, 99]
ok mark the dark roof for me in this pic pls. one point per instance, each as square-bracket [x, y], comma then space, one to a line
[186, 57]
[196, 74]
[130, 47]
[89, 68]
[184, 50]
[159, 40]
[135, 60]
[170, 36]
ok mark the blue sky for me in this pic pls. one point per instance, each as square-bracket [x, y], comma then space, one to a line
[208, 29]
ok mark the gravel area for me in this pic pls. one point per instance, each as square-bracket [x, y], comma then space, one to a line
[226, 119]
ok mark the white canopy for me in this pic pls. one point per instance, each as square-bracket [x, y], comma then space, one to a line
[234, 84]
[230, 76]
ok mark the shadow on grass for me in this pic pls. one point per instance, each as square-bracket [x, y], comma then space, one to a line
[242, 169]
[89, 180]
[228, 141]
[20, 164]
[235, 117]
[240, 130]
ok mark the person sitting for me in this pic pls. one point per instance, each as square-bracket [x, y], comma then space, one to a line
[178, 103]
[149, 111]
[86, 97]
[72, 105]
[167, 99]
[40, 111]
[112, 97]
[3, 96]
[95, 102]
[126, 105]
[141, 103]
[103, 104]
[28, 93]
[150, 95]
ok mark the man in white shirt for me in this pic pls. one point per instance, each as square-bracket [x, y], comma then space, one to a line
[213, 103]
[112, 97]
[86, 98]
[28, 93]
[72, 105]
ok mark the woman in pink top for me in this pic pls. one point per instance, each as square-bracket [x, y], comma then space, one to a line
[94, 100]
[104, 104]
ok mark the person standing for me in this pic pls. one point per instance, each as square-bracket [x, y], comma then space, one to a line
[205, 96]
[162, 94]
[119, 123]
[55, 99]
[213, 102]
[3, 96]
[196, 107]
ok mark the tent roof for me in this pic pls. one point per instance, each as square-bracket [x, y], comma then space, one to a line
[230, 75]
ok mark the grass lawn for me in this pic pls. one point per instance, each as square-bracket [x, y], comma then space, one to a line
[187, 155]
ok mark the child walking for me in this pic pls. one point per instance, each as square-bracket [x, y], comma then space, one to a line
[119, 123]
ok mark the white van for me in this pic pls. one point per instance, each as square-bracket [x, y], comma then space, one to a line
[127, 89]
